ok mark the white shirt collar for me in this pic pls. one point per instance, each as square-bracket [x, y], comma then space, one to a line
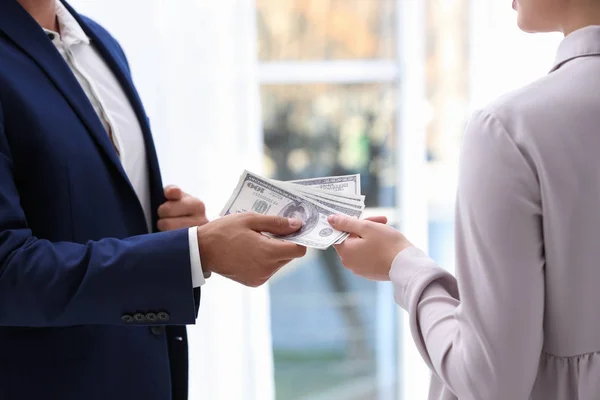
[70, 31]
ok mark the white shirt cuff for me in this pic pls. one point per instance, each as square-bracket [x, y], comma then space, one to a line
[197, 273]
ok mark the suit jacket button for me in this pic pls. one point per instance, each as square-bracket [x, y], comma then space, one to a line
[127, 318]
[163, 316]
[151, 317]
[139, 318]
[157, 330]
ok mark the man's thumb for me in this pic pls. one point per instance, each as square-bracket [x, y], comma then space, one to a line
[274, 224]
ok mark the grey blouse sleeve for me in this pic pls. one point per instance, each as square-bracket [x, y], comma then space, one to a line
[481, 334]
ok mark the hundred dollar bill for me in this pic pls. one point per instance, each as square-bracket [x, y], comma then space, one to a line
[331, 199]
[339, 208]
[347, 199]
[338, 186]
[354, 202]
[342, 185]
[260, 195]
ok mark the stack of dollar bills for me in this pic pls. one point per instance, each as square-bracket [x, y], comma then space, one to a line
[310, 200]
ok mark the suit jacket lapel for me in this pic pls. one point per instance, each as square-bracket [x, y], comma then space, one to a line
[26, 33]
[109, 52]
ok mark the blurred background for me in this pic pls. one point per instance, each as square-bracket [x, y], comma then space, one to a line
[302, 88]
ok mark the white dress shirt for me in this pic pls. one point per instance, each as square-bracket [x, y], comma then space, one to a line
[116, 114]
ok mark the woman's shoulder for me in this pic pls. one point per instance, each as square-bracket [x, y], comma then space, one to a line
[542, 106]
[526, 101]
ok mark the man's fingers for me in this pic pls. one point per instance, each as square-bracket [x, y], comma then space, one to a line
[348, 224]
[296, 251]
[273, 224]
[281, 250]
[286, 251]
[186, 206]
[173, 193]
[171, 209]
[380, 219]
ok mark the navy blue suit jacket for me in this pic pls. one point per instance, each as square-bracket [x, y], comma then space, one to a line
[85, 292]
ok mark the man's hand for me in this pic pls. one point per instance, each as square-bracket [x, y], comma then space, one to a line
[233, 247]
[180, 210]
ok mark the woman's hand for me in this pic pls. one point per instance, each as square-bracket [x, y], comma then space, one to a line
[371, 248]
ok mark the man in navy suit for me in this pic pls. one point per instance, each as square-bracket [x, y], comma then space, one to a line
[100, 266]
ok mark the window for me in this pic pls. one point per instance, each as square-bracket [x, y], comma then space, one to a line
[330, 90]
[332, 129]
[326, 29]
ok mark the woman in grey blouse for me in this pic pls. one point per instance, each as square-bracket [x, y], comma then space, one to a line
[521, 320]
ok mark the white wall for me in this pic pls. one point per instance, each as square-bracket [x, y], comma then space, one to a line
[502, 57]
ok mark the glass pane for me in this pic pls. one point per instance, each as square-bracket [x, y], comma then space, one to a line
[319, 130]
[334, 335]
[326, 29]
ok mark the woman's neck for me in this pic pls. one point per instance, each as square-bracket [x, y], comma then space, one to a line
[43, 11]
[580, 17]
